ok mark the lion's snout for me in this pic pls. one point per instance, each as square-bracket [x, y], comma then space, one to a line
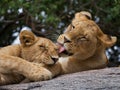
[55, 59]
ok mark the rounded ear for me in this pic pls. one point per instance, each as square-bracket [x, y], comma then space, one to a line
[27, 38]
[107, 40]
[83, 15]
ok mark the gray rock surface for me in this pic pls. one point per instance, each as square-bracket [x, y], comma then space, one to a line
[102, 79]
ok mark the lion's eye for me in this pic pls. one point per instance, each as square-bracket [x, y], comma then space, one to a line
[83, 38]
[73, 26]
[42, 47]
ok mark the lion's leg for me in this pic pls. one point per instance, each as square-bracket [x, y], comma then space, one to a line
[26, 80]
[55, 69]
[32, 71]
[10, 78]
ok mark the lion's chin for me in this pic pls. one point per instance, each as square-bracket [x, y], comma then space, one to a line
[67, 53]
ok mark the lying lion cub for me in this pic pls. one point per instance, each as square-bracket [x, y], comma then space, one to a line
[16, 61]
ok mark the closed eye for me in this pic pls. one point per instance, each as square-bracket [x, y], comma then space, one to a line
[83, 38]
[42, 47]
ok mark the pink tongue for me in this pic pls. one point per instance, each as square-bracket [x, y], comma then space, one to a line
[61, 49]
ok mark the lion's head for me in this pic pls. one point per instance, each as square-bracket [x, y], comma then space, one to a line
[37, 49]
[83, 38]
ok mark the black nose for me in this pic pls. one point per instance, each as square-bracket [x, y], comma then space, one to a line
[66, 40]
[55, 59]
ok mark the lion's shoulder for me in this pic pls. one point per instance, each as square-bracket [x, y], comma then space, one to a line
[13, 50]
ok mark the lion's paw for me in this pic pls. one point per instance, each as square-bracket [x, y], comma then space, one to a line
[40, 75]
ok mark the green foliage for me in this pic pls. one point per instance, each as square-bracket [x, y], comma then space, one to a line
[59, 11]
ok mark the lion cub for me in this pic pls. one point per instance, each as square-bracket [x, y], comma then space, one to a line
[82, 46]
[16, 61]
[84, 43]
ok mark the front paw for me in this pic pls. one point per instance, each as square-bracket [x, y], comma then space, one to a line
[40, 75]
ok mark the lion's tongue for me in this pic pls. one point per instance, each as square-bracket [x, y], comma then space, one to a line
[61, 49]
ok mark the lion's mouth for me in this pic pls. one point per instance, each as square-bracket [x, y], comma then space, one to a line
[62, 50]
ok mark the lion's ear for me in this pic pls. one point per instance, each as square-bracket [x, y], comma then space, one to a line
[27, 38]
[83, 15]
[107, 40]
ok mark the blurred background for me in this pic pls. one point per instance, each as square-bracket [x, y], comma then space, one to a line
[49, 18]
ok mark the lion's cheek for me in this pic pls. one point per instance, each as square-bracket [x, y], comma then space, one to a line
[60, 39]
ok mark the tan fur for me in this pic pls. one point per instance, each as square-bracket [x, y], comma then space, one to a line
[83, 40]
[87, 44]
[27, 59]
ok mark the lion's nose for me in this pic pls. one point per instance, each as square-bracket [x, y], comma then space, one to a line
[55, 59]
[66, 40]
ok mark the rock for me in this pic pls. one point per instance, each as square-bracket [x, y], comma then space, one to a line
[102, 79]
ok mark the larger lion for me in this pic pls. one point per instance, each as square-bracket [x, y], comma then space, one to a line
[85, 45]
[82, 46]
